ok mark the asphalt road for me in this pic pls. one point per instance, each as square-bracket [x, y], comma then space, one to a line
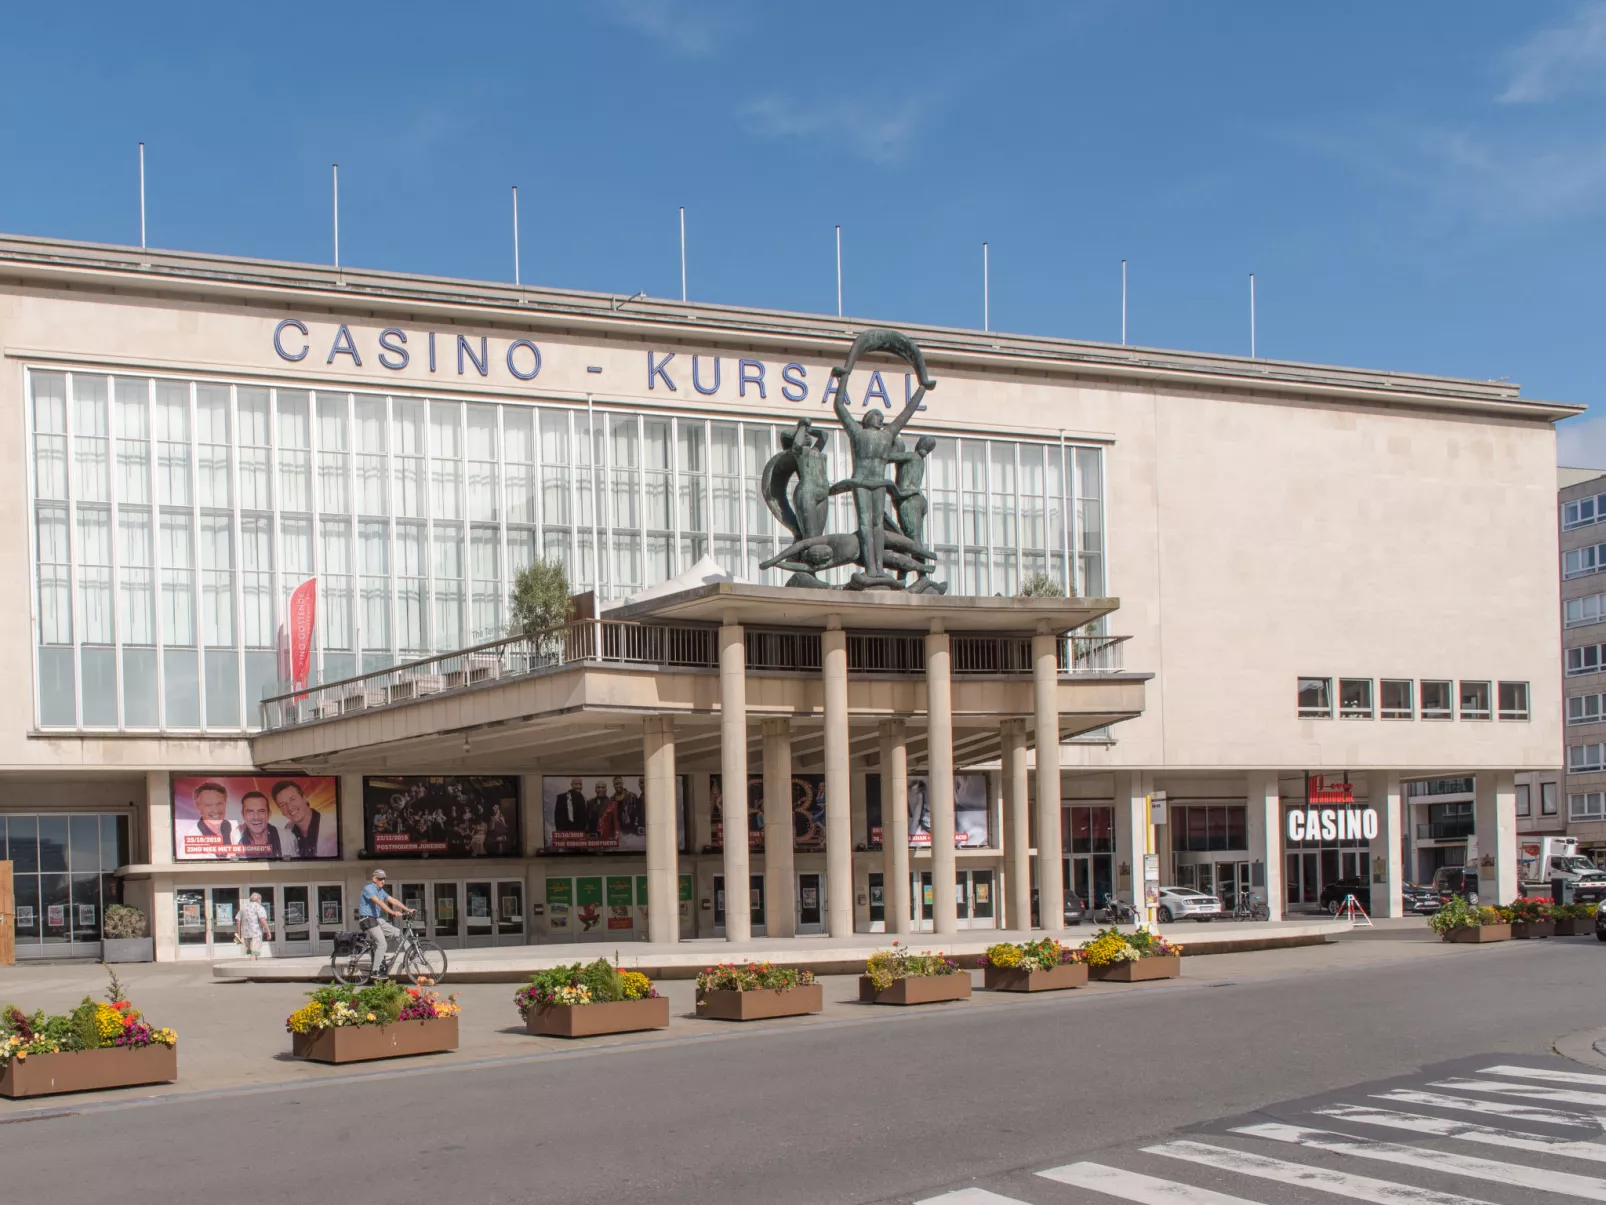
[878, 1105]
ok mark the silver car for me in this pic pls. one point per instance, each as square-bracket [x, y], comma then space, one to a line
[1184, 903]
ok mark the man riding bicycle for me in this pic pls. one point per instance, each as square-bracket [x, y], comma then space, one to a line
[372, 908]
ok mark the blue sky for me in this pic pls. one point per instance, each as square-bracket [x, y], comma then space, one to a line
[1416, 186]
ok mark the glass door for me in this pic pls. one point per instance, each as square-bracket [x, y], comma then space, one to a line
[962, 898]
[331, 914]
[810, 903]
[1081, 880]
[920, 898]
[448, 923]
[510, 913]
[416, 897]
[981, 900]
[191, 902]
[295, 934]
[878, 902]
[755, 898]
[225, 914]
[480, 921]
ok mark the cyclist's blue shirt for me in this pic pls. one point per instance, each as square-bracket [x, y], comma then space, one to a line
[368, 905]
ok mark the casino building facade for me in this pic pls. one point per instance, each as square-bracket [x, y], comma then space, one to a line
[1243, 545]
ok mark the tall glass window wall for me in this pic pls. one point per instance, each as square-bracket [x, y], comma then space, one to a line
[174, 518]
[62, 865]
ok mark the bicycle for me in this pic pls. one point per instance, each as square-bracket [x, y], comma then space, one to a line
[412, 958]
[1249, 907]
[1114, 912]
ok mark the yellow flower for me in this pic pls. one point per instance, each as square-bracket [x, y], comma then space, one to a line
[371, 1016]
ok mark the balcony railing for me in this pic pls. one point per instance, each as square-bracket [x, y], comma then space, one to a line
[1444, 830]
[674, 645]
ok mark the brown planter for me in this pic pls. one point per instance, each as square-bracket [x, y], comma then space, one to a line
[762, 1004]
[88, 1070]
[1162, 966]
[589, 1020]
[360, 1043]
[1575, 926]
[1523, 930]
[917, 989]
[1479, 933]
[1022, 979]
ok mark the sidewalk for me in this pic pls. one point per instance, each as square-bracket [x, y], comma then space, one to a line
[822, 955]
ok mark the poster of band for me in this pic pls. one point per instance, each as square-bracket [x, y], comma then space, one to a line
[807, 807]
[452, 816]
[601, 813]
[970, 810]
[282, 817]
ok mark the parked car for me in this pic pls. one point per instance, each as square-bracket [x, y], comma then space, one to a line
[1184, 903]
[1416, 898]
[1600, 921]
[1335, 893]
[1451, 881]
[1075, 909]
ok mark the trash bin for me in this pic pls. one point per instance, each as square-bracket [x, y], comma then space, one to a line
[1561, 891]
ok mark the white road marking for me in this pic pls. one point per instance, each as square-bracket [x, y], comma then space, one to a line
[1588, 1188]
[1559, 1077]
[1134, 1186]
[1558, 1096]
[1498, 1108]
[1318, 1179]
[1445, 1127]
[971, 1196]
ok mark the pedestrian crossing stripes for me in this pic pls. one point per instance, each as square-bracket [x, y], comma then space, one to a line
[1507, 1108]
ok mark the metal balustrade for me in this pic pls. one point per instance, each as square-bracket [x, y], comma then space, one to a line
[682, 646]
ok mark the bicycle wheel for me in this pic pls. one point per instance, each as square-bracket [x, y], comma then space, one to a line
[354, 969]
[426, 961]
[1259, 911]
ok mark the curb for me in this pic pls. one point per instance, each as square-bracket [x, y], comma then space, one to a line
[1582, 1047]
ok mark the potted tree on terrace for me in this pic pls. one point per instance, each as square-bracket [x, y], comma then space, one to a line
[384, 1020]
[95, 1046]
[1035, 966]
[898, 976]
[578, 1001]
[1117, 957]
[1459, 921]
[1530, 917]
[125, 936]
[756, 991]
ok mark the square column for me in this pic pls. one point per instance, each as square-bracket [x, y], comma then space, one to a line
[940, 781]
[1384, 793]
[895, 826]
[838, 813]
[1494, 817]
[1131, 833]
[1050, 855]
[733, 777]
[1017, 825]
[1265, 803]
[780, 916]
[658, 787]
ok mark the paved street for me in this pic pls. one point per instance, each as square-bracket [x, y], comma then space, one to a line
[872, 1105]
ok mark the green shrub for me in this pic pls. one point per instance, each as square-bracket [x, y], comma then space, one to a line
[122, 922]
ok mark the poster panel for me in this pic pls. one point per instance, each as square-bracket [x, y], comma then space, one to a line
[267, 817]
[807, 807]
[601, 813]
[447, 816]
[970, 811]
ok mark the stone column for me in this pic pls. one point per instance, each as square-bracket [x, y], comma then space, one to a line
[159, 821]
[838, 784]
[1494, 815]
[353, 811]
[1045, 692]
[1383, 791]
[895, 825]
[733, 779]
[780, 879]
[1017, 824]
[1265, 803]
[940, 780]
[658, 789]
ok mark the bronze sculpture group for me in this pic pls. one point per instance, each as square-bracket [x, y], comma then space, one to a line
[889, 543]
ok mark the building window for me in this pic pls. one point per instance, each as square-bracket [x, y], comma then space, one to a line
[1583, 660]
[1396, 698]
[1580, 611]
[1196, 828]
[1474, 700]
[1355, 698]
[1580, 513]
[1523, 806]
[1581, 562]
[1447, 822]
[1584, 709]
[1436, 701]
[1547, 798]
[1583, 758]
[1316, 698]
[1439, 786]
[1513, 700]
[1590, 805]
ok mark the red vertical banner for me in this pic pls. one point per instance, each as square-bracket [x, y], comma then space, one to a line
[303, 617]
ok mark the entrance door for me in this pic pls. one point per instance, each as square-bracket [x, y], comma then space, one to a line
[982, 900]
[1231, 878]
[225, 917]
[810, 903]
[755, 895]
[479, 922]
[447, 915]
[1081, 880]
[8, 924]
[920, 898]
[510, 913]
[331, 915]
[878, 902]
[295, 931]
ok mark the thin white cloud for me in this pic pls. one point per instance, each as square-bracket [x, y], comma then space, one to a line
[1563, 58]
[1581, 441]
[879, 132]
[687, 30]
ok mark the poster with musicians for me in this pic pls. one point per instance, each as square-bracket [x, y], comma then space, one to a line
[601, 813]
[260, 818]
[970, 811]
[443, 816]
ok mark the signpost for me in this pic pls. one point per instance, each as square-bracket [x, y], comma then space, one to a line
[1148, 905]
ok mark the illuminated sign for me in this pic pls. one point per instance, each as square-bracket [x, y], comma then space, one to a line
[1332, 824]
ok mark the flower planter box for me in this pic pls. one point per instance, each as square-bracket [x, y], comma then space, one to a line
[917, 989]
[1479, 933]
[1162, 966]
[88, 1070]
[1523, 930]
[762, 1004]
[128, 949]
[1023, 979]
[590, 1020]
[360, 1043]
[1575, 926]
